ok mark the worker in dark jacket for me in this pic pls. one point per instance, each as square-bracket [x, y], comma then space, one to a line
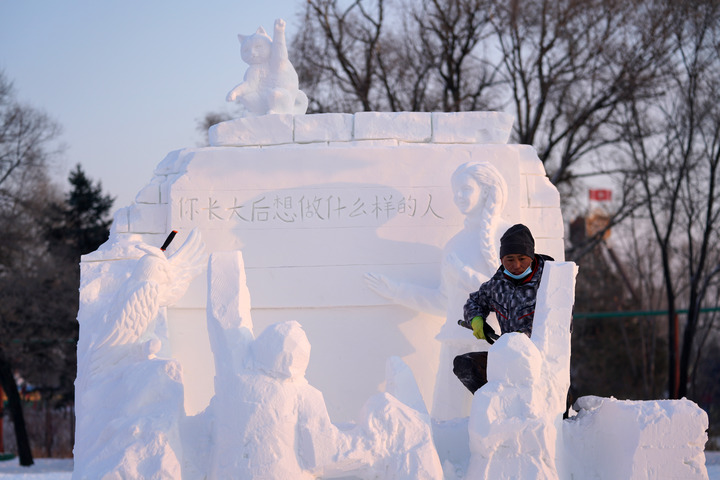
[510, 293]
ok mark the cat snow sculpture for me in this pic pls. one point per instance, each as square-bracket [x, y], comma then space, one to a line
[270, 84]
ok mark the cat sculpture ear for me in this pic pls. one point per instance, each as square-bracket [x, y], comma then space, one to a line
[259, 31]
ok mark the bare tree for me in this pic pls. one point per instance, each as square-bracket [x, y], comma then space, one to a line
[336, 54]
[392, 56]
[456, 40]
[676, 148]
[26, 135]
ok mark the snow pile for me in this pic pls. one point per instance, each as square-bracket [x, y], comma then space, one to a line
[611, 438]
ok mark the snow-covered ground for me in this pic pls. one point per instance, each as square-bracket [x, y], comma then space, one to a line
[43, 469]
[54, 469]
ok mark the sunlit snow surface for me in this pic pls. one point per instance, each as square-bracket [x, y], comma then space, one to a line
[44, 469]
[54, 469]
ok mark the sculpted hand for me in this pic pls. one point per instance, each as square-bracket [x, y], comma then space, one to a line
[279, 24]
[381, 285]
[454, 261]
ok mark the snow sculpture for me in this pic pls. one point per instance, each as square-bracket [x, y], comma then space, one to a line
[469, 259]
[326, 199]
[276, 425]
[270, 84]
[610, 438]
[129, 400]
[516, 417]
[269, 422]
[229, 322]
[508, 435]
[400, 441]
[264, 421]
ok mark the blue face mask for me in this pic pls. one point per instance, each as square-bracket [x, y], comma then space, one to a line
[521, 276]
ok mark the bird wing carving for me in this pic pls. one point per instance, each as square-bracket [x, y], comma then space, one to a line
[128, 325]
[184, 265]
[137, 312]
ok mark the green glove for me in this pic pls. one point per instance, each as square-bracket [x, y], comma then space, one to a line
[477, 326]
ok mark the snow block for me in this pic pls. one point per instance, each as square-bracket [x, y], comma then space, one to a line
[323, 127]
[150, 193]
[263, 130]
[165, 183]
[530, 164]
[542, 193]
[147, 218]
[120, 223]
[553, 311]
[228, 313]
[544, 222]
[555, 247]
[611, 438]
[471, 127]
[388, 142]
[403, 126]
[174, 162]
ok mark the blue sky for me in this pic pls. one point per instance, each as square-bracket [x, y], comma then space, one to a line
[128, 80]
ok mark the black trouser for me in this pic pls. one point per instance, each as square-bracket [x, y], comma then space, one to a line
[471, 369]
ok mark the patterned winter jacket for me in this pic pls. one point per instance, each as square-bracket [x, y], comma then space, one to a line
[513, 301]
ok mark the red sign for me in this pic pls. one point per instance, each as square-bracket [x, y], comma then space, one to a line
[600, 195]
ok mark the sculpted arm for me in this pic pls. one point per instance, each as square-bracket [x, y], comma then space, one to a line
[465, 276]
[279, 50]
[416, 297]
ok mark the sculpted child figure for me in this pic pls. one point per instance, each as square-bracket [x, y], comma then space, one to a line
[270, 84]
[469, 259]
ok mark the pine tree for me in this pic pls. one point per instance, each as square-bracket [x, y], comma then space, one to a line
[82, 222]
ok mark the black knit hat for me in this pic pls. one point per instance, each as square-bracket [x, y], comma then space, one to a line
[517, 240]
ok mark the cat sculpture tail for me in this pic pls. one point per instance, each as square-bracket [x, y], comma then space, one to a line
[301, 103]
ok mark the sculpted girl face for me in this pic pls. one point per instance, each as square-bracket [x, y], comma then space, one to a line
[467, 193]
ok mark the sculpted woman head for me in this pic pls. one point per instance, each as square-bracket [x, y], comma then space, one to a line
[478, 187]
